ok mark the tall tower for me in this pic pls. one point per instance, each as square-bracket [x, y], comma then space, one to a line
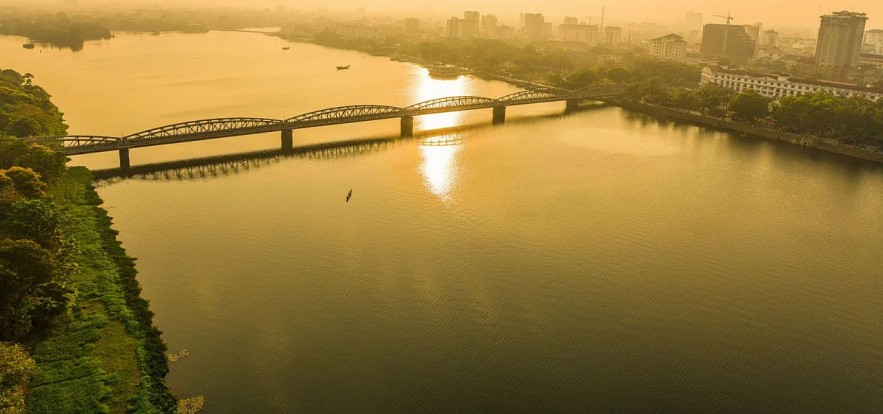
[839, 43]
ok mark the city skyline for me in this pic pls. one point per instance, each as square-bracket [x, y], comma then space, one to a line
[790, 13]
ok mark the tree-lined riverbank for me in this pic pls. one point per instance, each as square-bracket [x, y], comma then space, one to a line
[80, 337]
[107, 356]
[809, 141]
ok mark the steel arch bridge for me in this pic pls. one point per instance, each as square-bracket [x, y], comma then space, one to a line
[344, 114]
[450, 103]
[204, 129]
[239, 126]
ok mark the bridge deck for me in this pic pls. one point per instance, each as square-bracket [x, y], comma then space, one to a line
[230, 127]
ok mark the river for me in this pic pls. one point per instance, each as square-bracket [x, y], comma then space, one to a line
[595, 261]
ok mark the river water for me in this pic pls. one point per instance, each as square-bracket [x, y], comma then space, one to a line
[596, 261]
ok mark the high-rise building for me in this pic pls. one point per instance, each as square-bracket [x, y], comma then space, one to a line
[534, 26]
[839, 43]
[770, 38]
[692, 20]
[574, 32]
[726, 41]
[489, 26]
[874, 37]
[466, 28]
[754, 32]
[612, 35]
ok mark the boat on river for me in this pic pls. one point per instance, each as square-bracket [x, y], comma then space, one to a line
[343, 67]
[286, 48]
[28, 45]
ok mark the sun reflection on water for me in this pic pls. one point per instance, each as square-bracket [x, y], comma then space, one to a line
[439, 167]
[429, 88]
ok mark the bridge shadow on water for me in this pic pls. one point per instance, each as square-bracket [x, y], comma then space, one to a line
[238, 163]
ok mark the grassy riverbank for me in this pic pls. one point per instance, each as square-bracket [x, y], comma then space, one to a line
[106, 356]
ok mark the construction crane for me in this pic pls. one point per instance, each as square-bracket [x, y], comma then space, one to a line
[726, 32]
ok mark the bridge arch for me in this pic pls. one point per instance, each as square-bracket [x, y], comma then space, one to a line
[75, 141]
[440, 104]
[530, 95]
[356, 112]
[203, 126]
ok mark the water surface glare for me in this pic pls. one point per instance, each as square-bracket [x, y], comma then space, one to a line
[599, 261]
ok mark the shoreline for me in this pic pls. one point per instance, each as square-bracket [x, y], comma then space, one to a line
[808, 141]
[109, 336]
[828, 145]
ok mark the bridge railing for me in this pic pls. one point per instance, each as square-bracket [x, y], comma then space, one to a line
[224, 127]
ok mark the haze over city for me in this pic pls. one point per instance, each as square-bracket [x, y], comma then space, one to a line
[792, 13]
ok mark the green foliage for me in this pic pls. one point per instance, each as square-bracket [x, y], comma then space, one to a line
[495, 56]
[749, 106]
[855, 120]
[582, 78]
[57, 29]
[674, 74]
[25, 109]
[714, 98]
[24, 181]
[42, 221]
[685, 99]
[16, 368]
[59, 256]
[50, 164]
[32, 289]
[618, 74]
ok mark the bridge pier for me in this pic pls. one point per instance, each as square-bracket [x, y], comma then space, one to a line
[287, 139]
[124, 159]
[572, 104]
[499, 114]
[407, 126]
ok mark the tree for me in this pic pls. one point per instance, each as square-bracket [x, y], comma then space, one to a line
[714, 98]
[684, 99]
[581, 79]
[618, 74]
[49, 163]
[16, 368]
[32, 290]
[25, 181]
[41, 221]
[749, 105]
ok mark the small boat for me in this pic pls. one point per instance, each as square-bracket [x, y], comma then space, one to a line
[343, 67]
[348, 195]
[286, 48]
[28, 45]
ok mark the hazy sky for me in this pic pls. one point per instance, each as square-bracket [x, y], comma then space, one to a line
[771, 12]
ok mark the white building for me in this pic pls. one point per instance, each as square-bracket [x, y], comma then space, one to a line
[778, 86]
[572, 32]
[357, 31]
[669, 46]
[463, 28]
